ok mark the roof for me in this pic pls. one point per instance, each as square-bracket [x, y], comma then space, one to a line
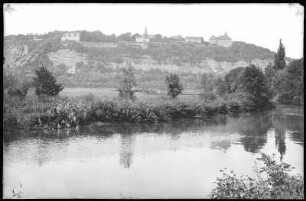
[192, 37]
[224, 37]
[71, 33]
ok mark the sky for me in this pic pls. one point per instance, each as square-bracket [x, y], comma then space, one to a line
[260, 24]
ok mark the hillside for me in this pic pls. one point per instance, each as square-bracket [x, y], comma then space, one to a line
[95, 63]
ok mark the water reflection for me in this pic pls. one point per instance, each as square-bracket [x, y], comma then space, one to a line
[254, 129]
[287, 120]
[220, 144]
[147, 155]
[127, 149]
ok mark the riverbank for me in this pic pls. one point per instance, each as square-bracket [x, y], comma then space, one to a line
[60, 113]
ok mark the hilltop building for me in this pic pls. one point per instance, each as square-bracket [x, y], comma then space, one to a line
[72, 36]
[191, 39]
[224, 40]
[178, 37]
[144, 39]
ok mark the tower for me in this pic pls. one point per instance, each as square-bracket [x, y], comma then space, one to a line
[146, 31]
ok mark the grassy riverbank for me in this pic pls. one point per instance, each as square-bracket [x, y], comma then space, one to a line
[59, 112]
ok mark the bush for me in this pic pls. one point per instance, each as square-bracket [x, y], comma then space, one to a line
[173, 84]
[45, 82]
[208, 96]
[272, 182]
[20, 90]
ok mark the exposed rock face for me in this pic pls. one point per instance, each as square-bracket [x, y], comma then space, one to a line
[17, 55]
[67, 57]
[207, 66]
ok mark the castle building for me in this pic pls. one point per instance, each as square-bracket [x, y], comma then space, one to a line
[144, 39]
[72, 36]
[191, 39]
[224, 40]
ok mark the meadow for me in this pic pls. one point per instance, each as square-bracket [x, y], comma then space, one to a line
[148, 95]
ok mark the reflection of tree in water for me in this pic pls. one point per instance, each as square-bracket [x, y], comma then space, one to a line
[46, 142]
[295, 125]
[254, 129]
[220, 144]
[279, 123]
[127, 148]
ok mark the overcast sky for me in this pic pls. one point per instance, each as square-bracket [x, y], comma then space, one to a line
[259, 24]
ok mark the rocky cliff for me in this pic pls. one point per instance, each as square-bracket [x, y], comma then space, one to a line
[16, 56]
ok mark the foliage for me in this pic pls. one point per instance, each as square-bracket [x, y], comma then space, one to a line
[208, 96]
[289, 83]
[286, 82]
[128, 82]
[233, 80]
[20, 90]
[249, 80]
[13, 86]
[253, 82]
[220, 87]
[45, 82]
[273, 182]
[8, 79]
[173, 85]
[59, 113]
[208, 81]
[269, 74]
[279, 57]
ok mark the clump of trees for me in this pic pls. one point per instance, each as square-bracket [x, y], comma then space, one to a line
[286, 81]
[128, 82]
[254, 83]
[45, 83]
[173, 85]
[13, 86]
[249, 80]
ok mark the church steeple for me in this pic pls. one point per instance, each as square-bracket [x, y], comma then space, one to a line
[146, 31]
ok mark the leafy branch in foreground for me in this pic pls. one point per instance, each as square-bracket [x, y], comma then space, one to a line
[276, 184]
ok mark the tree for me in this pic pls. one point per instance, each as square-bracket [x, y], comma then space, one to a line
[208, 81]
[128, 82]
[279, 57]
[269, 74]
[173, 84]
[232, 80]
[14, 86]
[45, 82]
[289, 83]
[253, 82]
[221, 87]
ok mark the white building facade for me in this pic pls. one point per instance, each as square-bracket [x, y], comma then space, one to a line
[72, 36]
[224, 40]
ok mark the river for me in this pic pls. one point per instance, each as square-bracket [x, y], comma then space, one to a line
[181, 159]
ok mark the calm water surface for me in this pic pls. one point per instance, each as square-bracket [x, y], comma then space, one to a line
[175, 160]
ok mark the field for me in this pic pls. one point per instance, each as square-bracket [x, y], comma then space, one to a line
[111, 93]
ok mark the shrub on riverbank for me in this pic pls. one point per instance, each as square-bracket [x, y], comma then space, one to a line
[58, 113]
[276, 184]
